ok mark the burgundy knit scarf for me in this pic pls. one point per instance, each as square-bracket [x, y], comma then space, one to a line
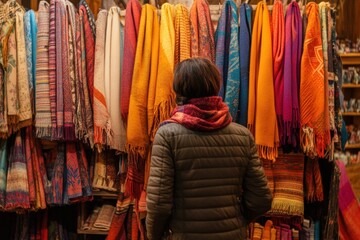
[202, 114]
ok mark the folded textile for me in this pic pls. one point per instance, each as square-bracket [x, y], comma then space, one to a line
[105, 216]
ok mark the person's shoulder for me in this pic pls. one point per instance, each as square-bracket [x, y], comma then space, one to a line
[170, 128]
[238, 129]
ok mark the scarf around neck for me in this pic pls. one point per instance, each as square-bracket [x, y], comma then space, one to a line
[202, 114]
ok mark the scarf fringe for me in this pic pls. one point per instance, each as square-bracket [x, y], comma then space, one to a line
[161, 113]
[100, 136]
[307, 141]
[270, 153]
[282, 208]
[43, 132]
[136, 161]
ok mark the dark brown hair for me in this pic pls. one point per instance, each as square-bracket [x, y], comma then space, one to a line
[196, 78]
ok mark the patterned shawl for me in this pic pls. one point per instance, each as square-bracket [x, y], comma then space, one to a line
[90, 15]
[278, 40]
[141, 98]
[262, 116]
[288, 198]
[30, 170]
[3, 173]
[54, 195]
[293, 51]
[349, 207]
[132, 21]
[202, 31]
[113, 56]
[73, 183]
[164, 97]
[244, 47]
[101, 116]
[43, 113]
[30, 41]
[17, 185]
[313, 181]
[182, 34]
[314, 111]
[227, 56]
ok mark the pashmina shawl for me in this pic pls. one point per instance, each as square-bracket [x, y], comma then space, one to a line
[132, 22]
[182, 34]
[293, 51]
[141, 98]
[42, 90]
[262, 116]
[314, 111]
[202, 31]
[227, 56]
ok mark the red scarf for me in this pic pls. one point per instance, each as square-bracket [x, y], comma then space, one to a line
[202, 114]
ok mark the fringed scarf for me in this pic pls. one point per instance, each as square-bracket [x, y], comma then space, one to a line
[278, 41]
[227, 56]
[86, 194]
[42, 90]
[262, 116]
[164, 96]
[141, 98]
[52, 67]
[132, 22]
[182, 34]
[313, 181]
[314, 111]
[244, 48]
[202, 31]
[89, 47]
[113, 60]
[293, 50]
[102, 124]
[202, 114]
[288, 198]
[17, 186]
[349, 207]
[30, 41]
[3, 172]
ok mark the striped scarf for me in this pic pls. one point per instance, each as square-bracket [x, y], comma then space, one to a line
[42, 90]
[142, 99]
[132, 21]
[278, 40]
[227, 56]
[244, 48]
[182, 34]
[262, 116]
[314, 111]
[52, 67]
[202, 31]
[101, 116]
[113, 60]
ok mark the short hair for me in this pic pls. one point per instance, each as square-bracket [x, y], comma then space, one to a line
[196, 78]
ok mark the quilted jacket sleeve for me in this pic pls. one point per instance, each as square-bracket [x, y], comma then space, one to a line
[160, 188]
[257, 197]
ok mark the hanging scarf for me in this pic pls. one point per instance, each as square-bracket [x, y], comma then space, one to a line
[293, 51]
[182, 34]
[101, 116]
[227, 56]
[132, 21]
[42, 90]
[90, 16]
[90, 50]
[202, 31]
[17, 186]
[202, 114]
[84, 173]
[30, 171]
[141, 98]
[314, 111]
[262, 116]
[52, 66]
[164, 96]
[30, 41]
[278, 38]
[313, 181]
[3, 171]
[244, 47]
[73, 183]
[113, 60]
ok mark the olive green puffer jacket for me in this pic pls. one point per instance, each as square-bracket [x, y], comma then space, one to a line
[204, 185]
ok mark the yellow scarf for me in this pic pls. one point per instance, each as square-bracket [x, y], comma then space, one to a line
[142, 98]
[182, 33]
[262, 116]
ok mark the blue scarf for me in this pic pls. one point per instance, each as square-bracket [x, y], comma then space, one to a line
[227, 55]
[245, 43]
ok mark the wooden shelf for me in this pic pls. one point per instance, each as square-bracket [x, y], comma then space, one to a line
[350, 58]
[350, 85]
[351, 114]
[105, 194]
[352, 146]
[92, 232]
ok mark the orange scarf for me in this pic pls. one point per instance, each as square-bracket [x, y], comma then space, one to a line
[261, 114]
[314, 112]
